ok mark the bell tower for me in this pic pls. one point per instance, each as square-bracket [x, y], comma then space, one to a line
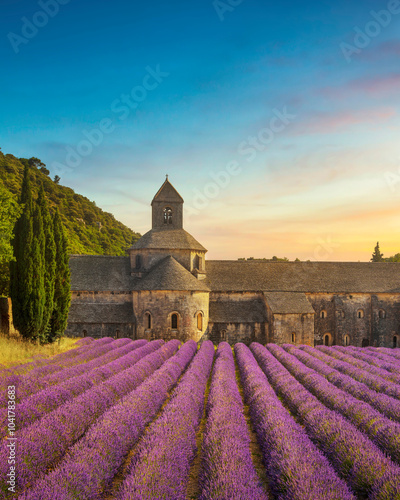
[167, 206]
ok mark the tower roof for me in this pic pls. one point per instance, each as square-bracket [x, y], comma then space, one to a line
[167, 193]
[168, 274]
[173, 239]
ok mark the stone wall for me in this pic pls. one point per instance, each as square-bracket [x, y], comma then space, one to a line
[99, 330]
[161, 305]
[301, 325]
[96, 314]
[378, 324]
[236, 332]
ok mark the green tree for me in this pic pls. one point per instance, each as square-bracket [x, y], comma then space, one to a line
[49, 254]
[377, 256]
[27, 284]
[62, 288]
[9, 213]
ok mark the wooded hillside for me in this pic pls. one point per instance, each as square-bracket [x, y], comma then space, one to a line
[90, 230]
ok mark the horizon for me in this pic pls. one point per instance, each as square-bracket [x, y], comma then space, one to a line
[277, 123]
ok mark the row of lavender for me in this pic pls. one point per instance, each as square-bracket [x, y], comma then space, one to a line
[365, 467]
[94, 460]
[38, 404]
[39, 377]
[92, 463]
[44, 443]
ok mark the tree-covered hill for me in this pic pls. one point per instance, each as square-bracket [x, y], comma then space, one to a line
[89, 229]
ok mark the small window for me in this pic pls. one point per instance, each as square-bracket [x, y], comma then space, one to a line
[167, 215]
[147, 321]
[174, 321]
[223, 334]
[365, 343]
[360, 314]
[395, 342]
[293, 338]
[327, 339]
[138, 261]
[84, 333]
[346, 340]
[199, 321]
[323, 314]
[382, 314]
[117, 334]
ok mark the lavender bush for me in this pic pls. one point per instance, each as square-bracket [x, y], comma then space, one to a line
[35, 406]
[44, 443]
[351, 453]
[94, 460]
[170, 444]
[227, 470]
[382, 431]
[284, 443]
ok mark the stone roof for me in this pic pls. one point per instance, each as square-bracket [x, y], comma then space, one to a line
[288, 303]
[167, 192]
[101, 313]
[168, 274]
[103, 273]
[168, 239]
[330, 277]
[100, 273]
[241, 311]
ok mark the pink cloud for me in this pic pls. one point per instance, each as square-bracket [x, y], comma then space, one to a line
[371, 86]
[390, 48]
[325, 122]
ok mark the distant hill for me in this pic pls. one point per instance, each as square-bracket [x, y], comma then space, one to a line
[90, 229]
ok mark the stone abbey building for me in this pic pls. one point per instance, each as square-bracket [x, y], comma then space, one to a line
[165, 288]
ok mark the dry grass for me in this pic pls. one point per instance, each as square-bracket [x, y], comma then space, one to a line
[14, 350]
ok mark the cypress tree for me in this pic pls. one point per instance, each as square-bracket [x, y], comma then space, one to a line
[377, 256]
[62, 289]
[38, 296]
[49, 254]
[27, 286]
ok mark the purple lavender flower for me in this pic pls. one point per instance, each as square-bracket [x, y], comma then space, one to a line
[44, 443]
[170, 444]
[351, 453]
[295, 467]
[94, 460]
[227, 470]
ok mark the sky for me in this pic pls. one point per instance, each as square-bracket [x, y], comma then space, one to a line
[276, 121]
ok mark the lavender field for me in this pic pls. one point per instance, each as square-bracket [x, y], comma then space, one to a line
[123, 419]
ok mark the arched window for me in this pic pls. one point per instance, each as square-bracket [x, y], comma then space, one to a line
[395, 342]
[323, 315]
[174, 321]
[167, 215]
[147, 321]
[223, 334]
[382, 314]
[84, 333]
[360, 314]
[346, 340]
[199, 321]
[117, 334]
[327, 339]
[293, 338]
[138, 261]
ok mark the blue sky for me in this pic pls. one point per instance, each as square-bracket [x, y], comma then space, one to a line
[278, 142]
